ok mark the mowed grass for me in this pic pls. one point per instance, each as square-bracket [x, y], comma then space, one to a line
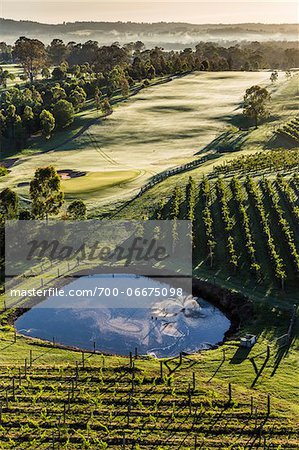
[283, 106]
[161, 127]
[15, 70]
[93, 182]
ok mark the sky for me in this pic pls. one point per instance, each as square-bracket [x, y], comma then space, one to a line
[220, 11]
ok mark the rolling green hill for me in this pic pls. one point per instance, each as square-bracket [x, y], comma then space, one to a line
[244, 208]
[160, 128]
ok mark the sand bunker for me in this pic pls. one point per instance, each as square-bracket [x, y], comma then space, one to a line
[67, 174]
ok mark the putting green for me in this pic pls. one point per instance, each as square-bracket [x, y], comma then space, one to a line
[97, 181]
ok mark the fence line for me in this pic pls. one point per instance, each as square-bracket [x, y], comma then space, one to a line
[171, 172]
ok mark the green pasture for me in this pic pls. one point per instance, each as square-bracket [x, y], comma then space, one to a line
[95, 182]
[159, 128]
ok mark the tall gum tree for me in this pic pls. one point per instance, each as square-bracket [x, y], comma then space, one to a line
[45, 193]
[256, 101]
[31, 54]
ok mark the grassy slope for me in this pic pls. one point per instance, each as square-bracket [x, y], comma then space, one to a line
[161, 127]
[217, 427]
[284, 104]
[39, 402]
[269, 323]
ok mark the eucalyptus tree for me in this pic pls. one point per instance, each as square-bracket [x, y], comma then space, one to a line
[45, 193]
[256, 101]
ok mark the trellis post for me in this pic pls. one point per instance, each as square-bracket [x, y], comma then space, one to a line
[229, 392]
[268, 405]
[193, 381]
[161, 370]
[131, 360]
[13, 389]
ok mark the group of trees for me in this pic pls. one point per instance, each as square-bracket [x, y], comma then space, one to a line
[137, 62]
[52, 101]
[5, 53]
[250, 55]
[37, 108]
[244, 55]
[61, 77]
[46, 198]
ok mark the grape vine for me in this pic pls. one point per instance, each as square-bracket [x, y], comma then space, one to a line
[277, 262]
[283, 223]
[208, 219]
[245, 221]
[227, 221]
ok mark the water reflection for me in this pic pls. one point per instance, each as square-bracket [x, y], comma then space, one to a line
[164, 328]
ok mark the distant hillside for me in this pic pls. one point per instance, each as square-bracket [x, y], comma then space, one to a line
[169, 35]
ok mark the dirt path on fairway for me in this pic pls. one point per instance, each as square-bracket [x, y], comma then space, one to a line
[100, 151]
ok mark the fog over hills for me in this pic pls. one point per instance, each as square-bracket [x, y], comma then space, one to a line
[172, 35]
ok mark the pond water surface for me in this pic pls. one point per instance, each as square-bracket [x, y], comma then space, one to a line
[162, 325]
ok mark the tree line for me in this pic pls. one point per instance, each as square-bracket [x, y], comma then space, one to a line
[58, 81]
[60, 77]
[243, 55]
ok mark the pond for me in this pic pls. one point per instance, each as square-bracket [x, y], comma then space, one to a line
[160, 323]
